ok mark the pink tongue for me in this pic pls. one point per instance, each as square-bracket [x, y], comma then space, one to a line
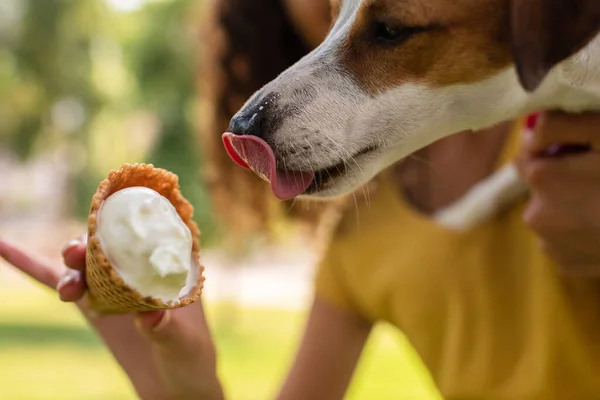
[251, 152]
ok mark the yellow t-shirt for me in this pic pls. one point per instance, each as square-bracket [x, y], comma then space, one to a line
[486, 310]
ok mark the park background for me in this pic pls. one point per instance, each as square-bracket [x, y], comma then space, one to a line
[88, 85]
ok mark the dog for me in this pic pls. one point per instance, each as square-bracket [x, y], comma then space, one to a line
[394, 76]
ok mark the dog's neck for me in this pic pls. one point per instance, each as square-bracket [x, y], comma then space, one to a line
[574, 84]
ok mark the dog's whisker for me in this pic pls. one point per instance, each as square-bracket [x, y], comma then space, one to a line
[287, 172]
[351, 158]
[292, 205]
[423, 161]
[341, 149]
[310, 146]
[356, 209]
[366, 195]
[328, 151]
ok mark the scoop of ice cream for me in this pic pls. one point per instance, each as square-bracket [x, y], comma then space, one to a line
[147, 243]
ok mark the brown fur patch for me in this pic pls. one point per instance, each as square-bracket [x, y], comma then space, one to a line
[469, 40]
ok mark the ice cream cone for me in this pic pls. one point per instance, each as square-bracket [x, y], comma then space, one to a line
[107, 291]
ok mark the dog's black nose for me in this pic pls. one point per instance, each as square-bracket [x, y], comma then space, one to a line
[246, 124]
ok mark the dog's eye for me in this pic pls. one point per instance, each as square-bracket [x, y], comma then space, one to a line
[389, 34]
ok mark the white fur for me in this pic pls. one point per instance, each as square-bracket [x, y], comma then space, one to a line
[483, 201]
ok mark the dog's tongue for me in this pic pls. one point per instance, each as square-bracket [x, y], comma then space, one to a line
[251, 152]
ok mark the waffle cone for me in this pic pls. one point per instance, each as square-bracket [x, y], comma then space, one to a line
[107, 292]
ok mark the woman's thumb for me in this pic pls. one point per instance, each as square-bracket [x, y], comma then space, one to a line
[175, 329]
[156, 325]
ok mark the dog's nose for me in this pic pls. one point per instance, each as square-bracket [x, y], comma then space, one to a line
[246, 124]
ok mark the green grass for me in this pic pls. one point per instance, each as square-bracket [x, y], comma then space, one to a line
[48, 353]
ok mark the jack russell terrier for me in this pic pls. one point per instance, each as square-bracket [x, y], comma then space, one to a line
[393, 76]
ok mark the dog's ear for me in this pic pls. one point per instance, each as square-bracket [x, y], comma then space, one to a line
[545, 32]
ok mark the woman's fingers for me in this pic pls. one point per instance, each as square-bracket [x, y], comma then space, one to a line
[557, 127]
[152, 322]
[38, 268]
[71, 286]
[74, 254]
[172, 328]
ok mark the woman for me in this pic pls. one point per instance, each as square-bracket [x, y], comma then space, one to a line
[488, 310]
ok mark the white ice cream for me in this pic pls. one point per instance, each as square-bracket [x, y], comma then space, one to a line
[147, 242]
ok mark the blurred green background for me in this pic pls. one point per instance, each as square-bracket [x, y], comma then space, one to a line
[100, 83]
[88, 85]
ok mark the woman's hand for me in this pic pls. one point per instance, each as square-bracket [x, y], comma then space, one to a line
[561, 163]
[166, 354]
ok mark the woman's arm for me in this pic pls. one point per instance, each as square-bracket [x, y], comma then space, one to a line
[332, 344]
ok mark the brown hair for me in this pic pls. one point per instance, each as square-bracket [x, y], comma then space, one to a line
[246, 44]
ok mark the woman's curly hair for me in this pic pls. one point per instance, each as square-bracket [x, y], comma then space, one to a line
[246, 44]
